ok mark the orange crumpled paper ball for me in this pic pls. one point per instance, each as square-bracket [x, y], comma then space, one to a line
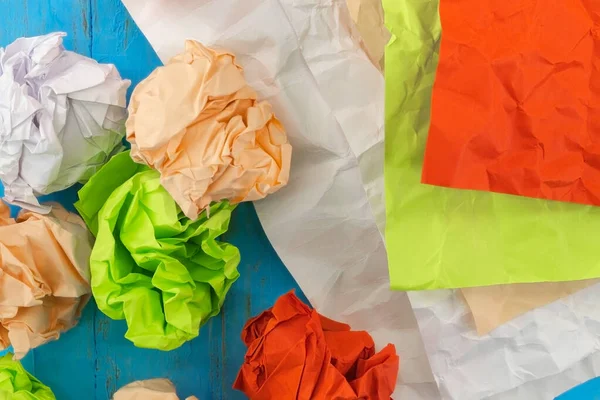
[44, 276]
[198, 123]
[295, 353]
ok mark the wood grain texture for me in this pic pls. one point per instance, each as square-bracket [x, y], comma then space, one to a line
[94, 359]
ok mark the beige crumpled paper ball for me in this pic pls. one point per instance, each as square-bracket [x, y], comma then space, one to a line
[200, 125]
[44, 276]
[152, 389]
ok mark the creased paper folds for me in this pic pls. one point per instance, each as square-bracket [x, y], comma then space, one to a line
[44, 276]
[295, 353]
[200, 125]
[165, 274]
[61, 117]
[17, 384]
[151, 389]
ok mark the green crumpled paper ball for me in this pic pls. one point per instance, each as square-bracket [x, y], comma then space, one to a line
[165, 274]
[18, 384]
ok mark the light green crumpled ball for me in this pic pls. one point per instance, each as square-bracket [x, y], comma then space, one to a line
[165, 274]
[18, 384]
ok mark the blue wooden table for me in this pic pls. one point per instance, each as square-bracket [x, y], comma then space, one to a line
[93, 360]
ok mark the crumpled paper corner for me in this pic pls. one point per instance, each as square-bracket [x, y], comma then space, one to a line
[200, 125]
[151, 389]
[62, 114]
[293, 352]
[165, 274]
[369, 20]
[44, 276]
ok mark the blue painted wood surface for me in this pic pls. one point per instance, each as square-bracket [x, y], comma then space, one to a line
[94, 359]
[589, 390]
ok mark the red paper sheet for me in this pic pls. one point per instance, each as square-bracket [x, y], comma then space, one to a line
[516, 101]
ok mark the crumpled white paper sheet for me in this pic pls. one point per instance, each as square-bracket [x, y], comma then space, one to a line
[303, 57]
[61, 117]
[550, 386]
[538, 355]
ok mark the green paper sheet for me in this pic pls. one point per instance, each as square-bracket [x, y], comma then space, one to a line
[18, 384]
[447, 238]
[165, 274]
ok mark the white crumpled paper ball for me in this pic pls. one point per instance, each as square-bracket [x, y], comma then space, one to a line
[62, 117]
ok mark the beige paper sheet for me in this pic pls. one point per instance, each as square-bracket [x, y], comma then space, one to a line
[493, 306]
[368, 17]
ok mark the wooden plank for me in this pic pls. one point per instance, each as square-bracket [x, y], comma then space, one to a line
[38, 17]
[117, 40]
[68, 365]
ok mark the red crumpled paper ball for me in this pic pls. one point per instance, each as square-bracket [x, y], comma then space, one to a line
[295, 353]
